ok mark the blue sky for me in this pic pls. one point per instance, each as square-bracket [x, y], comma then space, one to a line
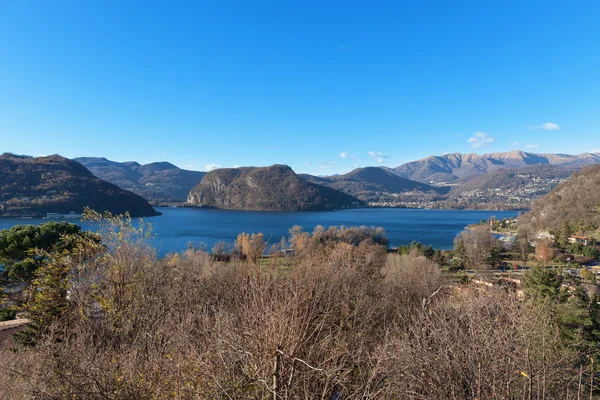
[320, 85]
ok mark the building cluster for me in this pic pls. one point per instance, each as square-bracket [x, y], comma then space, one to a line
[524, 194]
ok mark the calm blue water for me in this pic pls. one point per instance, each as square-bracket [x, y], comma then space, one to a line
[179, 226]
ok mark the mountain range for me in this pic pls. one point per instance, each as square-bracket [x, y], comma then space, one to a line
[495, 180]
[370, 183]
[459, 168]
[159, 182]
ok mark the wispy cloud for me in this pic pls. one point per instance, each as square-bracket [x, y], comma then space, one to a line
[547, 126]
[210, 167]
[532, 146]
[380, 157]
[327, 164]
[343, 154]
[596, 151]
[480, 139]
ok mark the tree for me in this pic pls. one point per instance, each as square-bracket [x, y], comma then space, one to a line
[587, 275]
[18, 246]
[542, 283]
[543, 253]
[252, 246]
[477, 249]
[522, 241]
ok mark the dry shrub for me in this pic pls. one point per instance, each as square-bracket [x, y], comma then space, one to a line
[334, 321]
[408, 280]
[487, 345]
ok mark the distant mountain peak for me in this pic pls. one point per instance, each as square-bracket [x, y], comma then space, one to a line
[458, 167]
[157, 182]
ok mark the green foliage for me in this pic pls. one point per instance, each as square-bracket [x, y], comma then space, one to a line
[7, 314]
[587, 251]
[587, 275]
[49, 300]
[421, 249]
[19, 246]
[577, 314]
[542, 283]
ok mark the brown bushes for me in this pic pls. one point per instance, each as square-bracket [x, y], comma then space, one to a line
[334, 321]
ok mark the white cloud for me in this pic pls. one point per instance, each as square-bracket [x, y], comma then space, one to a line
[596, 151]
[547, 126]
[380, 157]
[532, 146]
[235, 166]
[343, 154]
[515, 143]
[480, 139]
[306, 163]
[210, 167]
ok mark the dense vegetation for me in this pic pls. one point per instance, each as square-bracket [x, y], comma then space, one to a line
[274, 188]
[157, 182]
[20, 247]
[340, 318]
[36, 186]
[573, 206]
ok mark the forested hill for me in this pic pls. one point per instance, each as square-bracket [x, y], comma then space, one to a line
[458, 167]
[274, 188]
[36, 186]
[575, 202]
[370, 182]
[156, 182]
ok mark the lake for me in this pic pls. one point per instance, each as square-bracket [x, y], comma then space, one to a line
[179, 226]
